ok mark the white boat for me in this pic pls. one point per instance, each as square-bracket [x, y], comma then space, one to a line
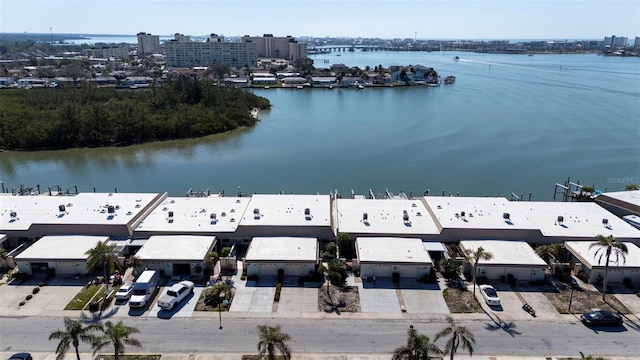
[359, 86]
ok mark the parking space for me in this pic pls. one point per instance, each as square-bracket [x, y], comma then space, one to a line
[294, 301]
[423, 298]
[255, 296]
[539, 302]
[379, 297]
[184, 309]
[510, 304]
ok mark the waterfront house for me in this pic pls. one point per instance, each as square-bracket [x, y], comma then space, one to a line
[586, 264]
[511, 259]
[323, 81]
[176, 255]
[296, 256]
[384, 256]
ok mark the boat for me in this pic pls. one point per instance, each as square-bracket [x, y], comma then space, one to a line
[299, 87]
[360, 86]
[449, 79]
[456, 58]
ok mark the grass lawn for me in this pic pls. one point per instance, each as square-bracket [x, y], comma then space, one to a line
[87, 294]
[461, 301]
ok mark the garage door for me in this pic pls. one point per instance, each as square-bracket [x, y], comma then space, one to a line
[614, 275]
[268, 270]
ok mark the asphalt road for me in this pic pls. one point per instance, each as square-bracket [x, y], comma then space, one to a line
[185, 335]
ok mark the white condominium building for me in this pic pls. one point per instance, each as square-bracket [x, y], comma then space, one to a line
[278, 47]
[148, 44]
[182, 52]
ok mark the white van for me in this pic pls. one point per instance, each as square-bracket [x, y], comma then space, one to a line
[144, 289]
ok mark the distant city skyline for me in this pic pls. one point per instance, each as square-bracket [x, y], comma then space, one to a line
[428, 19]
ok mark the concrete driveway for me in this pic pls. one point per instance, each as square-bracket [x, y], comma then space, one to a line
[254, 297]
[422, 298]
[379, 297]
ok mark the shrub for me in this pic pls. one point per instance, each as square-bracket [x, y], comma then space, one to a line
[243, 277]
[22, 303]
[627, 282]
[42, 283]
[29, 297]
[36, 290]
[430, 278]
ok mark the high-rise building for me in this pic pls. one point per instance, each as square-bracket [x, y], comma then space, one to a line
[182, 52]
[636, 42]
[148, 44]
[620, 42]
[278, 47]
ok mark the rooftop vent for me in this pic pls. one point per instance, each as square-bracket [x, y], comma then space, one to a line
[506, 216]
[237, 201]
[365, 217]
[223, 214]
[212, 216]
[14, 215]
[462, 214]
[256, 214]
[405, 216]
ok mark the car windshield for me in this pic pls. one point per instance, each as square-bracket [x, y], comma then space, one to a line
[490, 292]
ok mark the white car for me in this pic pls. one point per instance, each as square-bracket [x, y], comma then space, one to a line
[124, 293]
[490, 295]
[175, 294]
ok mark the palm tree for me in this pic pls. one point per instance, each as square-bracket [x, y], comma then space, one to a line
[476, 256]
[418, 347]
[118, 335]
[101, 256]
[272, 339]
[460, 335]
[135, 263]
[73, 334]
[610, 245]
[547, 251]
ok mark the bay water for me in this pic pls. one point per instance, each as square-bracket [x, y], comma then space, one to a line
[509, 124]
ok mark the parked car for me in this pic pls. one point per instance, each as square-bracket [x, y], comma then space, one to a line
[124, 293]
[490, 295]
[21, 356]
[176, 293]
[601, 317]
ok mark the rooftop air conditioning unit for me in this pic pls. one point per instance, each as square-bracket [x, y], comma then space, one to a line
[62, 208]
[111, 209]
[14, 215]
[365, 217]
[212, 216]
[170, 216]
[506, 216]
[605, 222]
[405, 216]
[462, 214]
[560, 219]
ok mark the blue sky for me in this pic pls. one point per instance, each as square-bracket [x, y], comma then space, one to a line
[431, 19]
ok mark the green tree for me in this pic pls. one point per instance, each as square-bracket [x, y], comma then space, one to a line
[330, 252]
[608, 245]
[632, 187]
[134, 263]
[101, 255]
[272, 339]
[225, 251]
[219, 70]
[344, 241]
[118, 335]
[211, 259]
[336, 272]
[458, 335]
[418, 347]
[451, 268]
[74, 332]
[4, 256]
[475, 256]
[547, 251]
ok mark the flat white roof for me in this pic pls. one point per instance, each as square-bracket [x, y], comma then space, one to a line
[287, 210]
[64, 247]
[384, 216]
[84, 208]
[176, 247]
[479, 213]
[282, 249]
[193, 214]
[505, 252]
[392, 250]
[631, 197]
[588, 256]
[580, 219]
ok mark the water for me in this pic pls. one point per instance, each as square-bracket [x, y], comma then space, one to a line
[509, 124]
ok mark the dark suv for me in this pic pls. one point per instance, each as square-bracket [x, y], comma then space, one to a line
[601, 317]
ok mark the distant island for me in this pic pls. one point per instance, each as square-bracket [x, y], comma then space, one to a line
[88, 116]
